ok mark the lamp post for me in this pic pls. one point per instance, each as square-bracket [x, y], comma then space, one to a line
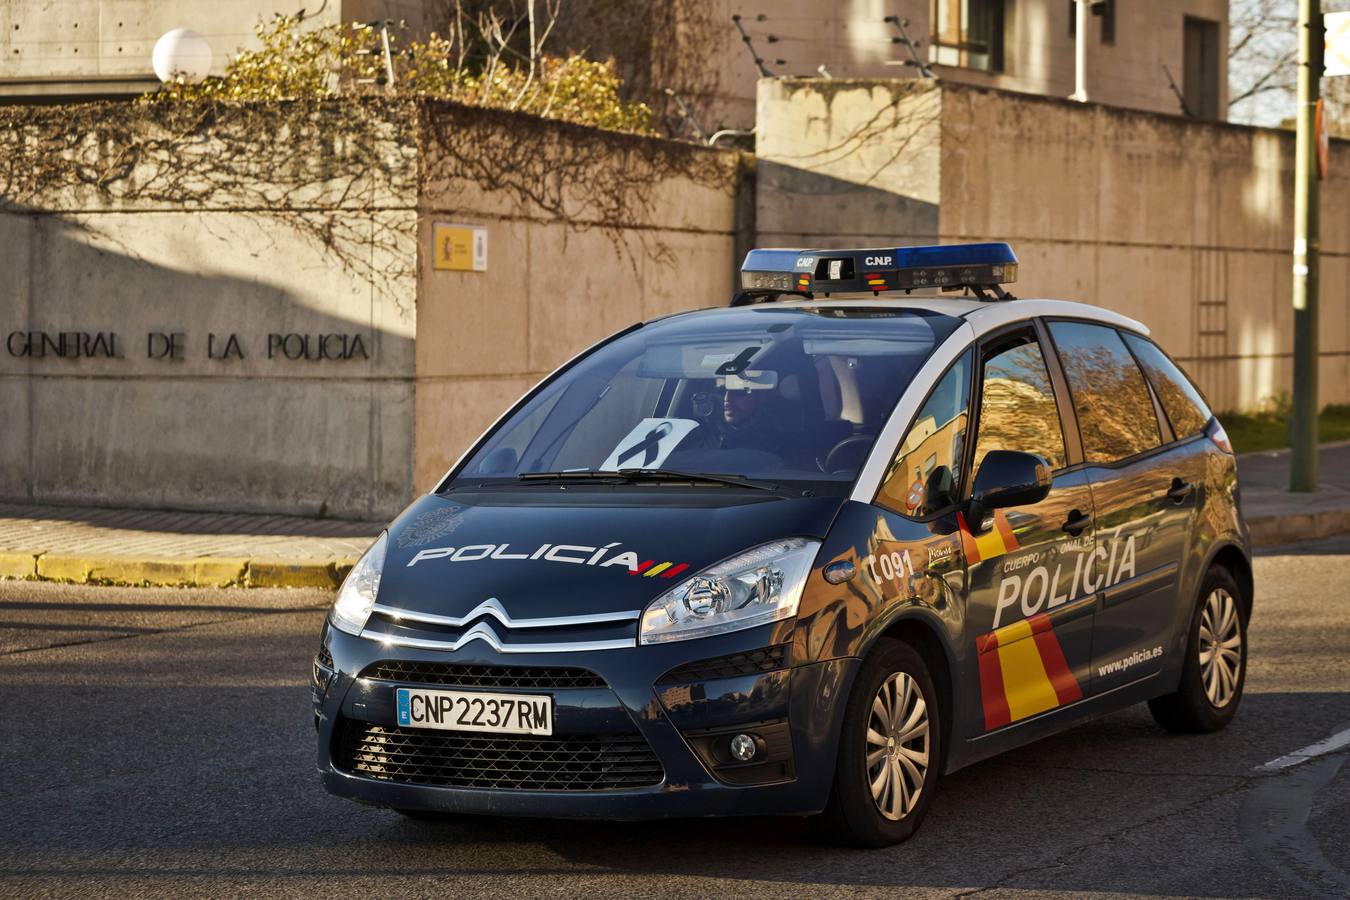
[181, 56]
[1303, 428]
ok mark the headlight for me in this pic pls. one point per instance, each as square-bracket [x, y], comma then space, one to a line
[755, 587]
[357, 594]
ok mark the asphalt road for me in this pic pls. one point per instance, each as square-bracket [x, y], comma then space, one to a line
[159, 742]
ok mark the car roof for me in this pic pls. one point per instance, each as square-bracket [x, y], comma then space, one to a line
[983, 315]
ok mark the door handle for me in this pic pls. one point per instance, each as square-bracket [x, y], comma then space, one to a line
[1180, 490]
[1076, 523]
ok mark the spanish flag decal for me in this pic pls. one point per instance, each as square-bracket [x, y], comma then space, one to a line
[994, 542]
[1023, 672]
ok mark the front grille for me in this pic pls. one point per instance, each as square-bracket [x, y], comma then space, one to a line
[466, 675]
[751, 662]
[518, 762]
[325, 658]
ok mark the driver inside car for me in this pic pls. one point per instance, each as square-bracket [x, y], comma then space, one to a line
[745, 421]
[749, 412]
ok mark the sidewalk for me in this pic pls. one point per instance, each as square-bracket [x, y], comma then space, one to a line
[139, 547]
[1277, 516]
[144, 547]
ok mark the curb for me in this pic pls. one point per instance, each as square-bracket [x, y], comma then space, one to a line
[1271, 531]
[202, 572]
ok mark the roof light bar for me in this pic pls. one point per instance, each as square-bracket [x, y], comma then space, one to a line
[946, 266]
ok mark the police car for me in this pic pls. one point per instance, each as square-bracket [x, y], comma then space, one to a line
[800, 555]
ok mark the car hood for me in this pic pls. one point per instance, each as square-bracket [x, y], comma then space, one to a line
[545, 551]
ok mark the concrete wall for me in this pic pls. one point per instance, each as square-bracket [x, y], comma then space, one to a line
[331, 436]
[589, 232]
[1184, 225]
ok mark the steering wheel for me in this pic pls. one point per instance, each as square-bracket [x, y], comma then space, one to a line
[830, 458]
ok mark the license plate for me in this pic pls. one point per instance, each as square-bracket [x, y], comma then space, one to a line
[475, 711]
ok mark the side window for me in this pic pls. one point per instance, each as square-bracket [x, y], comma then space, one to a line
[1185, 408]
[1017, 405]
[923, 477]
[1115, 412]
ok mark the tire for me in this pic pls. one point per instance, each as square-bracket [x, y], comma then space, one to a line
[853, 816]
[1211, 683]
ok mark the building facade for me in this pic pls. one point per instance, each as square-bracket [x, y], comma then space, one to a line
[1167, 56]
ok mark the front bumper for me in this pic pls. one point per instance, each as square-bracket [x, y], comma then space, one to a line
[799, 708]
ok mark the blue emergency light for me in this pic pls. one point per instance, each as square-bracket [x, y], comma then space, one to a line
[945, 266]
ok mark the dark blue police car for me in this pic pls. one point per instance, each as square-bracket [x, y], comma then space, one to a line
[801, 555]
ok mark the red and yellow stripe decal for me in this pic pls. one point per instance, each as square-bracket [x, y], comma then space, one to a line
[876, 282]
[649, 568]
[1023, 672]
[803, 281]
[994, 542]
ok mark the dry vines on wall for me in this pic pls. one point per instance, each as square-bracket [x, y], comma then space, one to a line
[303, 132]
[901, 126]
[309, 132]
[588, 178]
[326, 170]
[347, 174]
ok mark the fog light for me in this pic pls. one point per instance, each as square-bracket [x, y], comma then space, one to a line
[743, 747]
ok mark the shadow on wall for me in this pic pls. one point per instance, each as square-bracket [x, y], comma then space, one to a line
[198, 361]
[812, 209]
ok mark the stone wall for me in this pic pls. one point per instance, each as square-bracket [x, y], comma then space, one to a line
[1184, 225]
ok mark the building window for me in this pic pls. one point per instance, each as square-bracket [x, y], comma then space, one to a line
[1104, 10]
[968, 34]
[1200, 83]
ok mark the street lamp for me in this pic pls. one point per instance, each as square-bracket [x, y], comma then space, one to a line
[181, 55]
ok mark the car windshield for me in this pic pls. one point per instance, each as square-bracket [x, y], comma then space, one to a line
[770, 393]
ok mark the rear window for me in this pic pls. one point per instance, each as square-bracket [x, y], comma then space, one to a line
[1115, 412]
[1185, 408]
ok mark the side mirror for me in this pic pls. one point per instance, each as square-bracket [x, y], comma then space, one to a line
[939, 490]
[1011, 478]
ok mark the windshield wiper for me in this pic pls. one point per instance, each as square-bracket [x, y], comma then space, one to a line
[646, 475]
[569, 474]
[674, 475]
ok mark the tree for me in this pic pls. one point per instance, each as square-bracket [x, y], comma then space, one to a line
[1263, 66]
[1262, 60]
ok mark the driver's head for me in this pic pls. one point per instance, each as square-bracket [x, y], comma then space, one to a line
[740, 406]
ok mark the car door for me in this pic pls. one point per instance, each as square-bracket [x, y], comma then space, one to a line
[1029, 616]
[1143, 491]
[1190, 459]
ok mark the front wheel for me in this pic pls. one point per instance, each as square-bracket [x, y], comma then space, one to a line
[890, 751]
[1216, 661]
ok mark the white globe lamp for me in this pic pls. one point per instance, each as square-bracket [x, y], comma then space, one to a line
[181, 55]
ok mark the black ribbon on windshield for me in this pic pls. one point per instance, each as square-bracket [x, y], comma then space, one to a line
[737, 366]
[650, 445]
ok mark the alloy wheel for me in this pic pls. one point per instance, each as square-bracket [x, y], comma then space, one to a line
[897, 746]
[1220, 648]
